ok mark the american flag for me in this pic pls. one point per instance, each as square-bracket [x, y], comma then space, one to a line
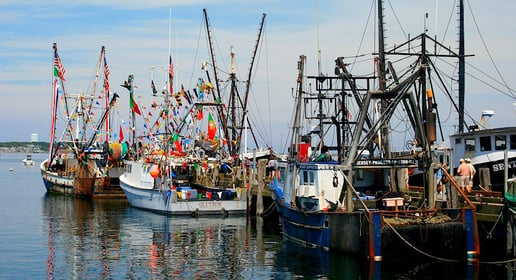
[59, 66]
[106, 75]
[171, 74]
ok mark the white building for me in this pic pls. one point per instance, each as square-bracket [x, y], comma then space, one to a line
[34, 137]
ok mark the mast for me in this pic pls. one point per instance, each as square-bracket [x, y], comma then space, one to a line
[171, 81]
[58, 74]
[461, 66]
[234, 149]
[129, 85]
[296, 126]
[54, 105]
[106, 92]
[248, 84]
[220, 111]
[94, 89]
[384, 143]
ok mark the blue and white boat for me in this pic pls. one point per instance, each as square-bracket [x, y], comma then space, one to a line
[350, 194]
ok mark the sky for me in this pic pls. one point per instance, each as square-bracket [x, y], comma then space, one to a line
[137, 39]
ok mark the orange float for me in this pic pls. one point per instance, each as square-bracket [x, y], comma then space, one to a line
[154, 171]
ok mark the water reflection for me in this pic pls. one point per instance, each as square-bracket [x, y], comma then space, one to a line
[106, 239]
[84, 237]
[186, 248]
[111, 240]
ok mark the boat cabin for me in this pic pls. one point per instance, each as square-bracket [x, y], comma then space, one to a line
[490, 150]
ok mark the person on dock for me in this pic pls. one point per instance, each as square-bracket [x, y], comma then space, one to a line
[464, 171]
[472, 173]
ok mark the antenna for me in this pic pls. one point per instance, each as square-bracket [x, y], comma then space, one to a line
[169, 28]
[484, 119]
[318, 47]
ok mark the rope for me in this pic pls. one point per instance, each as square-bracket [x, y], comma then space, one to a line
[490, 233]
[270, 210]
[418, 250]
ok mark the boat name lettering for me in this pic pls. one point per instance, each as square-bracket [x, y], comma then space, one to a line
[500, 166]
[210, 204]
[386, 162]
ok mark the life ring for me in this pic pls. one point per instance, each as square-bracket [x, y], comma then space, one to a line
[410, 171]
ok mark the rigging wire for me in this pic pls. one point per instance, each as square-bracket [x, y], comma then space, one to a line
[488, 52]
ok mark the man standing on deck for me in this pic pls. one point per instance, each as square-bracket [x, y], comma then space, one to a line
[472, 173]
[464, 171]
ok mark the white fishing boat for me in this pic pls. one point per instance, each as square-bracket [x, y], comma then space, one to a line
[175, 194]
[27, 161]
[192, 160]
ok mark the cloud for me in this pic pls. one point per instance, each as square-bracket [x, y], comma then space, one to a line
[136, 36]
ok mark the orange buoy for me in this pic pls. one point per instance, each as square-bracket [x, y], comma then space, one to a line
[154, 171]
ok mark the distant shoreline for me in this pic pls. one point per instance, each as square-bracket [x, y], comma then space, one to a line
[24, 147]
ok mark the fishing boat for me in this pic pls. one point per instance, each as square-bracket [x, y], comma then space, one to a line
[177, 180]
[83, 161]
[27, 161]
[351, 193]
[193, 163]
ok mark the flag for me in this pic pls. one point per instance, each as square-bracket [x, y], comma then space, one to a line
[106, 75]
[134, 106]
[185, 95]
[178, 99]
[175, 138]
[59, 70]
[154, 91]
[199, 114]
[212, 129]
[120, 135]
[171, 75]
[195, 92]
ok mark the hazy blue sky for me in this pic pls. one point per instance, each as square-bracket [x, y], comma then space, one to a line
[135, 34]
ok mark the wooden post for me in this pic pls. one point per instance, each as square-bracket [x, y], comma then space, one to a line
[262, 163]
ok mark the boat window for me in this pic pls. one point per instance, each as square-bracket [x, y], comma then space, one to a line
[282, 173]
[308, 178]
[485, 143]
[511, 187]
[469, 145]
[513, 142]
[500, 142]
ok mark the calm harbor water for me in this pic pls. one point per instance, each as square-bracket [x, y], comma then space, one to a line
[59, 237]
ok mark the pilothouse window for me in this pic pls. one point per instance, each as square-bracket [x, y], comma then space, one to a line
[513, 142]
[500, 142]
[469, 144]
[485, 143]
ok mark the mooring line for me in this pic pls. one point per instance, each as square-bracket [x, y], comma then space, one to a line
[418, 250]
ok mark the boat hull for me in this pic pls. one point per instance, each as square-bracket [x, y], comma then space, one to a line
[170, 203]
[82, 186]
[370, 234]
[56, 183]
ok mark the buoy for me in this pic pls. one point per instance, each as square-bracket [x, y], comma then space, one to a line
[115, 151]
[11, 169]
[154, 171]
